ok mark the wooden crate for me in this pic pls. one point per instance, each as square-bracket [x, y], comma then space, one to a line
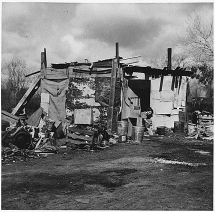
[83, 116]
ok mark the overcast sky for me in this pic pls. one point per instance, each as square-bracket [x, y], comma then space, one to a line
[73, 32]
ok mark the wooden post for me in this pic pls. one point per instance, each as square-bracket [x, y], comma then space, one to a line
[43, 59]
[169, 63]
[169, 66]
[112, 97]
[117, 54]
[115, 65]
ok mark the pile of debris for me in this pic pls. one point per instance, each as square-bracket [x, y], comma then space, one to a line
[202, 126]
[13, 153]
[21, 141]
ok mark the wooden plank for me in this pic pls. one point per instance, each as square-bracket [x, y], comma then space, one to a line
[169, 62]
[112, 97]
[103, 63]
[154, 71]
[161, 83]
[173, 83]
[79, 137]
[85, 132]
[76, 142]
[43, 59]
[179, 86]
[110, 112]
[85, 75]
[9, 117]
[27, 96]
[36, 72]
[169, 66]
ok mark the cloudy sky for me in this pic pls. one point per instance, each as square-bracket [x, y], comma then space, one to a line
[75, 31]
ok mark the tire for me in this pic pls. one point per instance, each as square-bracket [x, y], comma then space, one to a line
[22, 139]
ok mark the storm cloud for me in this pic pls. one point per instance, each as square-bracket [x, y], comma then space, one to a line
[73, 32]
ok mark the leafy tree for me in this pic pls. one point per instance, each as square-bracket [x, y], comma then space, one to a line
[204, 74]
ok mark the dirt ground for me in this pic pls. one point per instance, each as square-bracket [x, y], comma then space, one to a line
[158, 174]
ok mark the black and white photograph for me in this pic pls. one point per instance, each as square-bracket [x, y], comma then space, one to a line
[107, 105]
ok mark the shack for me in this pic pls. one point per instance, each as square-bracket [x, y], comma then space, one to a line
[163, 90]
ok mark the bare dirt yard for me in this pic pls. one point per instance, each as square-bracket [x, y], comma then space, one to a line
[158, 174]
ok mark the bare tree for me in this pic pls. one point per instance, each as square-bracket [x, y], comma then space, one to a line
[15, 84]
[178, 60]
[199, 40]
[198, 43]
[16, 74]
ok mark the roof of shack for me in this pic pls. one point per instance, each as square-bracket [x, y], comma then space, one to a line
[105, 67]
[154, 71]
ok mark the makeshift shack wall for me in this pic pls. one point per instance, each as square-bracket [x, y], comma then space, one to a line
[166, 104]
[127, 107]
[53, 98]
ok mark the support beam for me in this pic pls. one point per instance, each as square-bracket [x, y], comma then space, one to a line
[32, 89]
[115, 66]
[112, 97]
[43, 59]
[27, 96]
[169, 62]
[9, 117]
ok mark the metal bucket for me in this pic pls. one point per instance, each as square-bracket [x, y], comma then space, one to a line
[122, 127]
[161, 130]
[137, 133]
[122, 130]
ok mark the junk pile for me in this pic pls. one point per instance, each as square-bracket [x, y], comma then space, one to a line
[12, 153]
[89, 137]
[22, 141]
[202, 126]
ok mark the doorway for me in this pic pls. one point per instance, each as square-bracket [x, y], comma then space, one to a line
[142, 89]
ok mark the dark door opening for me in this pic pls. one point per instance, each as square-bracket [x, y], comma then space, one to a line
[142, 89]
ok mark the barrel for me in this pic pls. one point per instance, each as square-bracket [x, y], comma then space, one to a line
[122, 130]
[161, 130]
[137, 133]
